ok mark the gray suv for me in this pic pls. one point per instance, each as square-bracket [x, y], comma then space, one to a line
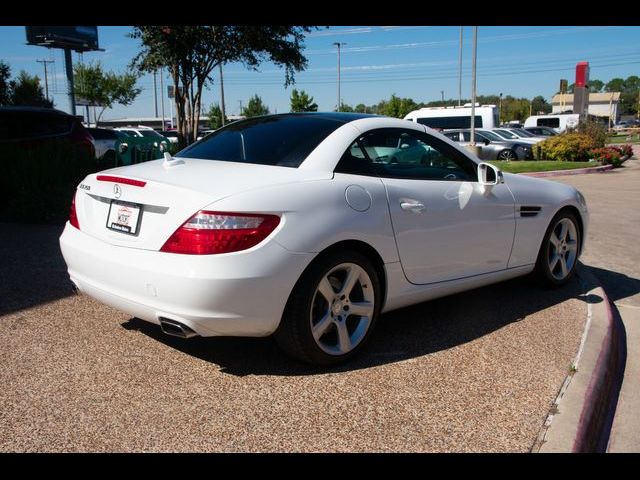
[492, 147]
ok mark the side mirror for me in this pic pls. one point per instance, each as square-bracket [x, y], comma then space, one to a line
[487, 141]
[489, 175]
[123, 147]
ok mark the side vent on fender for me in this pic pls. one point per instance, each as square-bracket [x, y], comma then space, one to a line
[529, 211]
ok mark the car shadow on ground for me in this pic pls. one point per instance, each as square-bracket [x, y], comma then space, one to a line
[400, 335]
[617, 285]
[32, 270]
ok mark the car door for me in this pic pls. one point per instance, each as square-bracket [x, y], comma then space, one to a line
[446, 226]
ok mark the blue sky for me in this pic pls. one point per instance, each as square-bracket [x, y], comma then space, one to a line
[377, 61]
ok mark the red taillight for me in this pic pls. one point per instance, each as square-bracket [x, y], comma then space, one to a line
[207, 233]
[73, 217]
[125, 181]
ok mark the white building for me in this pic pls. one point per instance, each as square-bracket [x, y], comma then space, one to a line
[604, 105]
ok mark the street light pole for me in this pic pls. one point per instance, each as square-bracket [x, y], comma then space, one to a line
[442, 93]
[222, 113]
[155, 92]
[338, 44]
[500, 110]
[162, 96]
[473, 86]
[460, 71]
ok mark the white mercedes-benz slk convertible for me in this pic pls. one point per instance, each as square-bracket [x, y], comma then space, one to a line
[308, 226]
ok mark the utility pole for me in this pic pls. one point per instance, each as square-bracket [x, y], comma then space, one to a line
[338, 44]
[473, 87]
[68, 64]
[162, 96]
[460, 71]
[46, 76]
[240, 102]
[155, 92]
[500, 110]
[221, 95]
[442, 93]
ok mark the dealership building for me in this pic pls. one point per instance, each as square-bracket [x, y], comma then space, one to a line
[603, 105]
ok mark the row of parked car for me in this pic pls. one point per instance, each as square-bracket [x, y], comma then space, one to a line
[502, 143]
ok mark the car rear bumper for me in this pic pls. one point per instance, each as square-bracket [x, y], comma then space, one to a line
[235, 294]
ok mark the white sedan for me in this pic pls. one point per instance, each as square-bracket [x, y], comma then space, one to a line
[308, 227]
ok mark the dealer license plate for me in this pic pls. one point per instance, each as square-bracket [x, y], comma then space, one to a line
[124, 217]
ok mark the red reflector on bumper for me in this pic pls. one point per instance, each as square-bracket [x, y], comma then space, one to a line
[126, 181]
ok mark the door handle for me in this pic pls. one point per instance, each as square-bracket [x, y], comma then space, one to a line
[412, 206]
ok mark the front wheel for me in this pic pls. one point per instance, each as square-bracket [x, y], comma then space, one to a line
[558, 256]
[332, 310]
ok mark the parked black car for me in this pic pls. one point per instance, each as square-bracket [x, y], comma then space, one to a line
[541, 131]
[46, 154]
[35, 128]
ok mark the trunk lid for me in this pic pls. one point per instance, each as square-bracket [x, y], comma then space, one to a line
[169, 196]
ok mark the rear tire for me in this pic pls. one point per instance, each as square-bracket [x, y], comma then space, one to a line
[332, 310]
[508, 155]
[558, 255]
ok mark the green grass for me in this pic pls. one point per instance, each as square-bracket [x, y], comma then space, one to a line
[539, 166]
[623, 139]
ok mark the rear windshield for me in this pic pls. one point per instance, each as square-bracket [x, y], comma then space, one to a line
[279, 140]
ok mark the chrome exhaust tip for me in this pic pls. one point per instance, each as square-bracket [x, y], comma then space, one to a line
[176, 329]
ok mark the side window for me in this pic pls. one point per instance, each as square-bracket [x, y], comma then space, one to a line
[419, 156]
[355, 161]
[455, 136]
[408, 154]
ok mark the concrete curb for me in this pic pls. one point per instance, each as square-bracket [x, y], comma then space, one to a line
[581, 416]
[576, 171]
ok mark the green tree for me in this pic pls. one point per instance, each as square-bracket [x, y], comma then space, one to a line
[301, 102]
[615, 85]
[362, 108]
[26, 90]
[539, 104]
[102, 88]
[215, 117]
[596, 86]
[191, 53]
[345, 108]
[255, 107]
[398, 107]
[5, 90]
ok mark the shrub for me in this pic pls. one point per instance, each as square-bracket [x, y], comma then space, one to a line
[596, 131]
[625, 150]
[608, 156]
[567, 147]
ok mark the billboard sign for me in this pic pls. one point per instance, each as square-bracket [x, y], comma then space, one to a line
[79, 38]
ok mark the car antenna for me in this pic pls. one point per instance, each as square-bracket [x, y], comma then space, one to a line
[169, 161]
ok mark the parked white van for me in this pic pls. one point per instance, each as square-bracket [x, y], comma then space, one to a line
[559, 122]
[445, 118]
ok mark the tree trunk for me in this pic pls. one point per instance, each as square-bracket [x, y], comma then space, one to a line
[99, 116]
[179, 103]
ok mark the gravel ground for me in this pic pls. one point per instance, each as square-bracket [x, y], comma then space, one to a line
[474, 372]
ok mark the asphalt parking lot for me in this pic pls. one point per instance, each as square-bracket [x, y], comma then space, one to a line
[472, 372]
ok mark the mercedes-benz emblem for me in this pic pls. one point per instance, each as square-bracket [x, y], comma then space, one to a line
[117, 190]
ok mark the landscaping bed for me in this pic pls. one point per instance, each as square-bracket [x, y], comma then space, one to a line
[540, 166]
